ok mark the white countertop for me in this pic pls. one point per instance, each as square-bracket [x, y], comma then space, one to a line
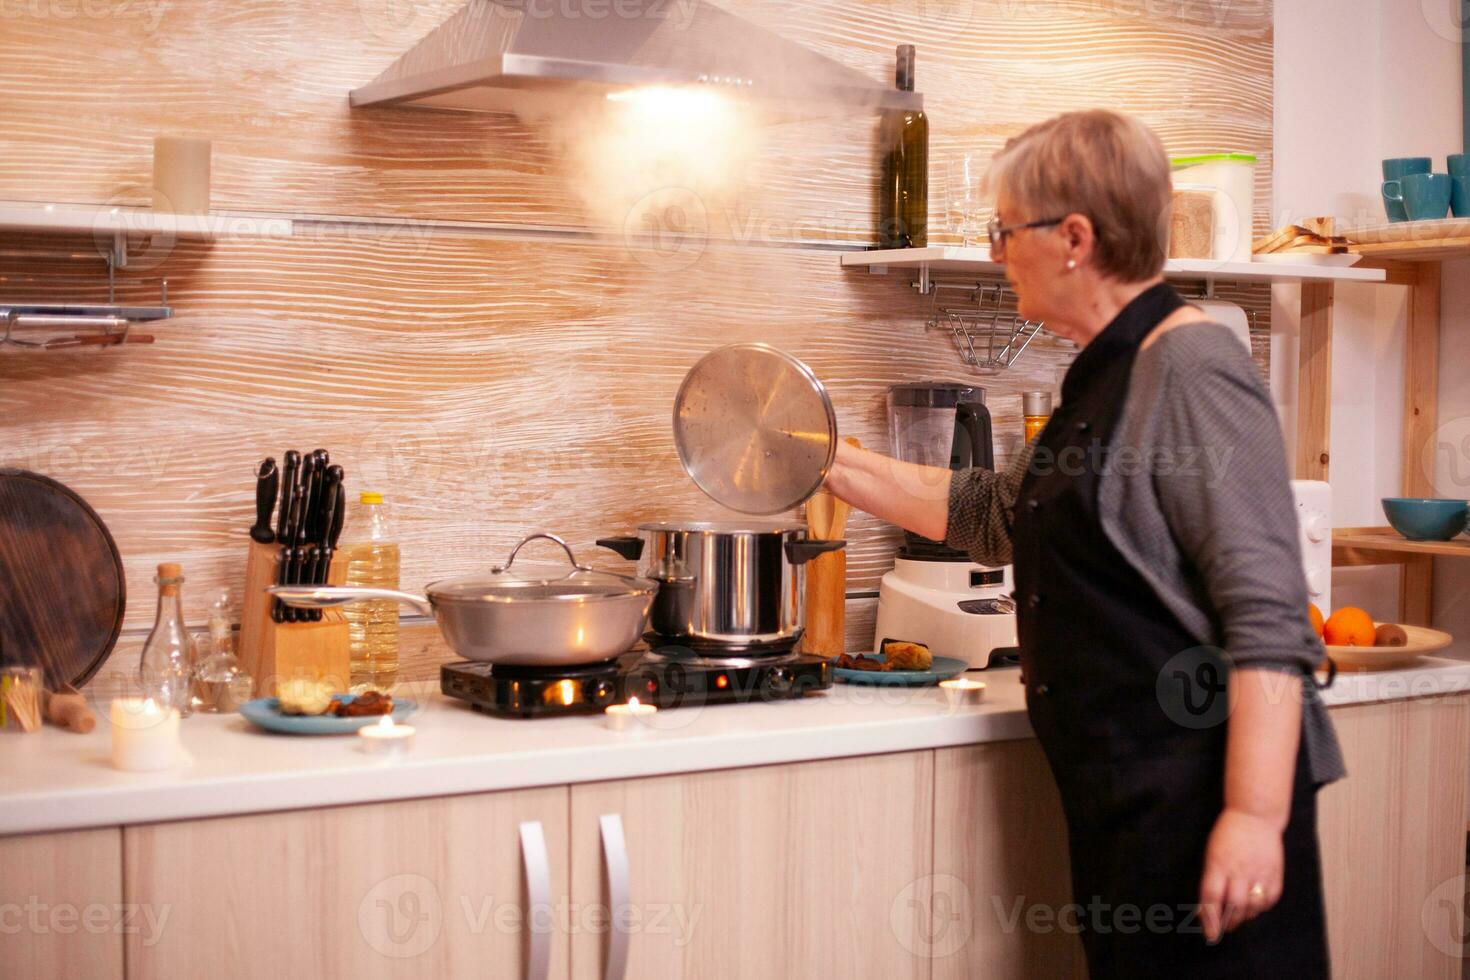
[57, 780]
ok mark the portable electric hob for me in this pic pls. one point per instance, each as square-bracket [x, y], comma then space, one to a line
[669, 677]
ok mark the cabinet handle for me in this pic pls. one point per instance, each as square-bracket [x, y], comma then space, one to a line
[538, 895]
[615, 862]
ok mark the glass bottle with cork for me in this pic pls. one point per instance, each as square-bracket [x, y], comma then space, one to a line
[166, 671]
[372, 561]
[903, 196]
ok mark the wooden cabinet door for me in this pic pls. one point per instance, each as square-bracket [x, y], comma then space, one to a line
[1001, 872]
[808, 870]
[417, 888]
[1393, 840]
[61, 905]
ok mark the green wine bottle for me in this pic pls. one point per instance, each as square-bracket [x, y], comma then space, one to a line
[903, 206]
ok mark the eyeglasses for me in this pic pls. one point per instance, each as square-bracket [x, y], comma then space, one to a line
[998, 232]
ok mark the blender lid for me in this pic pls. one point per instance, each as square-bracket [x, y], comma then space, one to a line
[934, 394]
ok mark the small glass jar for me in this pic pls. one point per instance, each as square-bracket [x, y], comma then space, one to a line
[22, 696]
[1035, 411]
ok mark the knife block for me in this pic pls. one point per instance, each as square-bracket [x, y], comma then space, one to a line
[275, 652]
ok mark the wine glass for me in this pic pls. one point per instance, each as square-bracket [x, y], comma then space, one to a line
[965, 204]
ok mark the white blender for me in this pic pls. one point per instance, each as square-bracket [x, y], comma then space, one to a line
[936, 595]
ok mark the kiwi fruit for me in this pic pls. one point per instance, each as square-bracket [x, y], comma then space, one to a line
[1389, 635]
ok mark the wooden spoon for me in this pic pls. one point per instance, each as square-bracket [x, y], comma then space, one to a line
[819, 511]
[837, 526]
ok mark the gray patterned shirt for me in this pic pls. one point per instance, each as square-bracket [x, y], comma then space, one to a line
[1197, 498]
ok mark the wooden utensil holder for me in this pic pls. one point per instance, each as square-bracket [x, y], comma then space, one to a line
[273, 651]
[826, 605]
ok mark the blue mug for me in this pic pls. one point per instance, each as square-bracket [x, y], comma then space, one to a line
[1393, 170]
[1460, 165]
[1460, 197]
[1424, 197]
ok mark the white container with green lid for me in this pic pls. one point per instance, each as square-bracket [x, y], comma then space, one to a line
[1232, 176]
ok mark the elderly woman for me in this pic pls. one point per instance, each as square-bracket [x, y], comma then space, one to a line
[1162, 609]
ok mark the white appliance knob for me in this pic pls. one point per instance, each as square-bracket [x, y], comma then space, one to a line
[1316, 528]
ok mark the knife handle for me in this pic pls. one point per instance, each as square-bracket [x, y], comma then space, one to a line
[267, 483]
[292, 461]
[283, 613]
[339, 514]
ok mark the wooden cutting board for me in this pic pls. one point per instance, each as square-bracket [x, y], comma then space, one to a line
[62, 591]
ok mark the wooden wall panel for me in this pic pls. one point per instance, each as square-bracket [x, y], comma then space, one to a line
[268, 82]
[487, 386]
[491, 383]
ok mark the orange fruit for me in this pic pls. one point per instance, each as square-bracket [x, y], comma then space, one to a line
[1315, 615]
[1349, 627]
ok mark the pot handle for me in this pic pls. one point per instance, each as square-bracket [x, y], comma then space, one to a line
[801, 552]
[327, 596]
[549, 537]
[627, 545]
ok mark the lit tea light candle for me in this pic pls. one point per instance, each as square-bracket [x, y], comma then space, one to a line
[630, 716]
[145, 735]
[386, 738]
[962, 690]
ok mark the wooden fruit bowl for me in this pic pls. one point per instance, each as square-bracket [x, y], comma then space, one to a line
[1422, 641]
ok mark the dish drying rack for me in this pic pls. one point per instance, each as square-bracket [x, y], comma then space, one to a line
[73, 327]
[989, 334]
[982, 321]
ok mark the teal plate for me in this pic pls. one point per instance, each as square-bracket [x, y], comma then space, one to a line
[942, 669]
[266, 713]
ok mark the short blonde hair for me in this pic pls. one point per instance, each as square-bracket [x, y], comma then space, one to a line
[1107, 166]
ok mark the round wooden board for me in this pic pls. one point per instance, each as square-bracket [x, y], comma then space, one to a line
[62, 604]
[1422, 641]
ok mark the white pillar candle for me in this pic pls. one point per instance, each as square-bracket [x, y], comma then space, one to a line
[181, 175]
[629, 717]
[145, 735]
[962, 690]
[386, 738]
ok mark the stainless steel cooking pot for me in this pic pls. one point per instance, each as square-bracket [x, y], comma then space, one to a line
[522, 616]
[734, 586]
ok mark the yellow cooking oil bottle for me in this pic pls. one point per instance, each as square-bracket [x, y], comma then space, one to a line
[372, 561]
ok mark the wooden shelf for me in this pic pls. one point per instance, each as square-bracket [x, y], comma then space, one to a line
[959, 260]
[1435, 250]
[1384, 545]
[73, 219]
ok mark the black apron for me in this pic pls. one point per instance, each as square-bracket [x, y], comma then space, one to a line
[1130, 711]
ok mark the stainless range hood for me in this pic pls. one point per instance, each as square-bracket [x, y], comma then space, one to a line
[499, 55]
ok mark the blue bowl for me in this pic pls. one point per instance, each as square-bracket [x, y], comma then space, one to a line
[1422, 519]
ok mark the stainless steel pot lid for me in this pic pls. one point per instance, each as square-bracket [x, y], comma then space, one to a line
[754, 428]
[722, 527]
[505, 583]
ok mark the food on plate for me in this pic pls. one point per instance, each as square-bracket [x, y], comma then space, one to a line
[1315, 615]
[1348, 627]
[304, 696]
[903, 655]
[364, 705]
[897, 655]
[861, 662]
[1389, 635]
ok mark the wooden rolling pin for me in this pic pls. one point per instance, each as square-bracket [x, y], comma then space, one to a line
[68, 708]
